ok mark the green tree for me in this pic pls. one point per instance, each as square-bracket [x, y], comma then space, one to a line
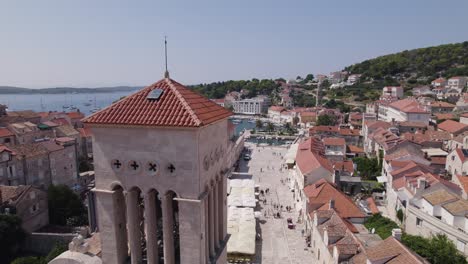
[444, 251]
[29, 260]
[270, 127]
[55, 252]
[65, 207]
[326, 120]
[309, 77]
[11, 236]
[437, 250]
[258, 123]
[400, 215]
[84, 164]
[295, 120]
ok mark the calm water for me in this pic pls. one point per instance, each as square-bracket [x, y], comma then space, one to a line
[55, 102]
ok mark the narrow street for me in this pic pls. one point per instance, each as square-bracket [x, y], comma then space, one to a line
[278, 243]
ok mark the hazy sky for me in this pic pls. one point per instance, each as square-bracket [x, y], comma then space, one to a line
[46, 43]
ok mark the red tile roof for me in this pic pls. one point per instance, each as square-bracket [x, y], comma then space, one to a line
[276, 108]
[4, 132]
[346, 165]
[355, 149]
[310, 156]
[334, 141]
[391, 251]
[349, 132]
[441, 116]
[461, 155]
[61, 121]
[178, 106]
[372, 205]
[452, 126]
[463, 182]
[5, 148]
[321, 192]
[441, 104]
[85, 132]
[75, 115]
[409, 105]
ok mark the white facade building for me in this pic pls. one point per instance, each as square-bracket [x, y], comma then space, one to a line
[252, 106]
[406, 110]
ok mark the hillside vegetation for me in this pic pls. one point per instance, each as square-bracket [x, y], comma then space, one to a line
[424, 63]
[254, 87]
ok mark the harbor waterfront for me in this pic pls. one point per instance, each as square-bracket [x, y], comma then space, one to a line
[85, 102]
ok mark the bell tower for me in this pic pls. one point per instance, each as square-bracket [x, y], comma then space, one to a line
[160, 163]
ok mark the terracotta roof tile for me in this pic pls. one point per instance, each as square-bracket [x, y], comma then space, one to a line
[463, 182]
[85, 132]
[178, 106]
[439, 197]
[459, 207]
[391, 251]
[408, 105]
[75, 115]
[310, 156]
[4, 132]
[334, 141]
[444, 116]
[372, 205]
[321, 192]
[355, 149]
[441, 104]
[452, 126]
[12, 193]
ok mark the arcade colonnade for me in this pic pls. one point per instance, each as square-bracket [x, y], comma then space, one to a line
[155, 227]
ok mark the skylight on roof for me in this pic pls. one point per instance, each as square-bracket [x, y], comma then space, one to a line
[155, 94]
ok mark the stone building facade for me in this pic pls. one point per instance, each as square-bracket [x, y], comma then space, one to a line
[28, 203]
[160, 163]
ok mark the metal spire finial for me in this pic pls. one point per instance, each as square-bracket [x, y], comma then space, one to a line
[166, 74]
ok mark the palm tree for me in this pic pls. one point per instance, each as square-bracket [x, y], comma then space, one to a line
[270, 127]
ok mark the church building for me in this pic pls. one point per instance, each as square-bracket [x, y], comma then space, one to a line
[161, 176]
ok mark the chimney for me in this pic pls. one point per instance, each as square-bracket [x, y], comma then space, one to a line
[396, 233]
[331, 204]
[422, 183]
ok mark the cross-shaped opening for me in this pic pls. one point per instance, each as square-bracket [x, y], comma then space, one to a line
[171, 168]
[152, 167]
[117, 164]
[134, 165]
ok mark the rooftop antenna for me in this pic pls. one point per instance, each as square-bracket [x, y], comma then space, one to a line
[166, 74]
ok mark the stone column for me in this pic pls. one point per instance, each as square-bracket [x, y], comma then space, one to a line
[168, 229]
[220, 215]
[207, 229]
[134, 235]
[191, 229]
[151, 228]
[110, 207]
[216, 214]
[211, 222]
[224, 205]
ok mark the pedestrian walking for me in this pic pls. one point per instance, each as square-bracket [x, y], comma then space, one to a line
[302, 232]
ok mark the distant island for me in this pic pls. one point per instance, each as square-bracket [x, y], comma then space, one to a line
[62, 90]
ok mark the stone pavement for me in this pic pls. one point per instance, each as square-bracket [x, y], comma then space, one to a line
[278, 244]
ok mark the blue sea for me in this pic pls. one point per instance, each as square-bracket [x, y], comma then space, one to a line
[85, 102]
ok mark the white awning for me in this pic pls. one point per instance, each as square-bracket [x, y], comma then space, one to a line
[382, 179]
[241, 227]
[241, 193]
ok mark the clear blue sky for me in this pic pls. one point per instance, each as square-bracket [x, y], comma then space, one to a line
[109, 42]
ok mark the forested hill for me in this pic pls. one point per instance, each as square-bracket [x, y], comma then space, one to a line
[444, 60]
[254, 87]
